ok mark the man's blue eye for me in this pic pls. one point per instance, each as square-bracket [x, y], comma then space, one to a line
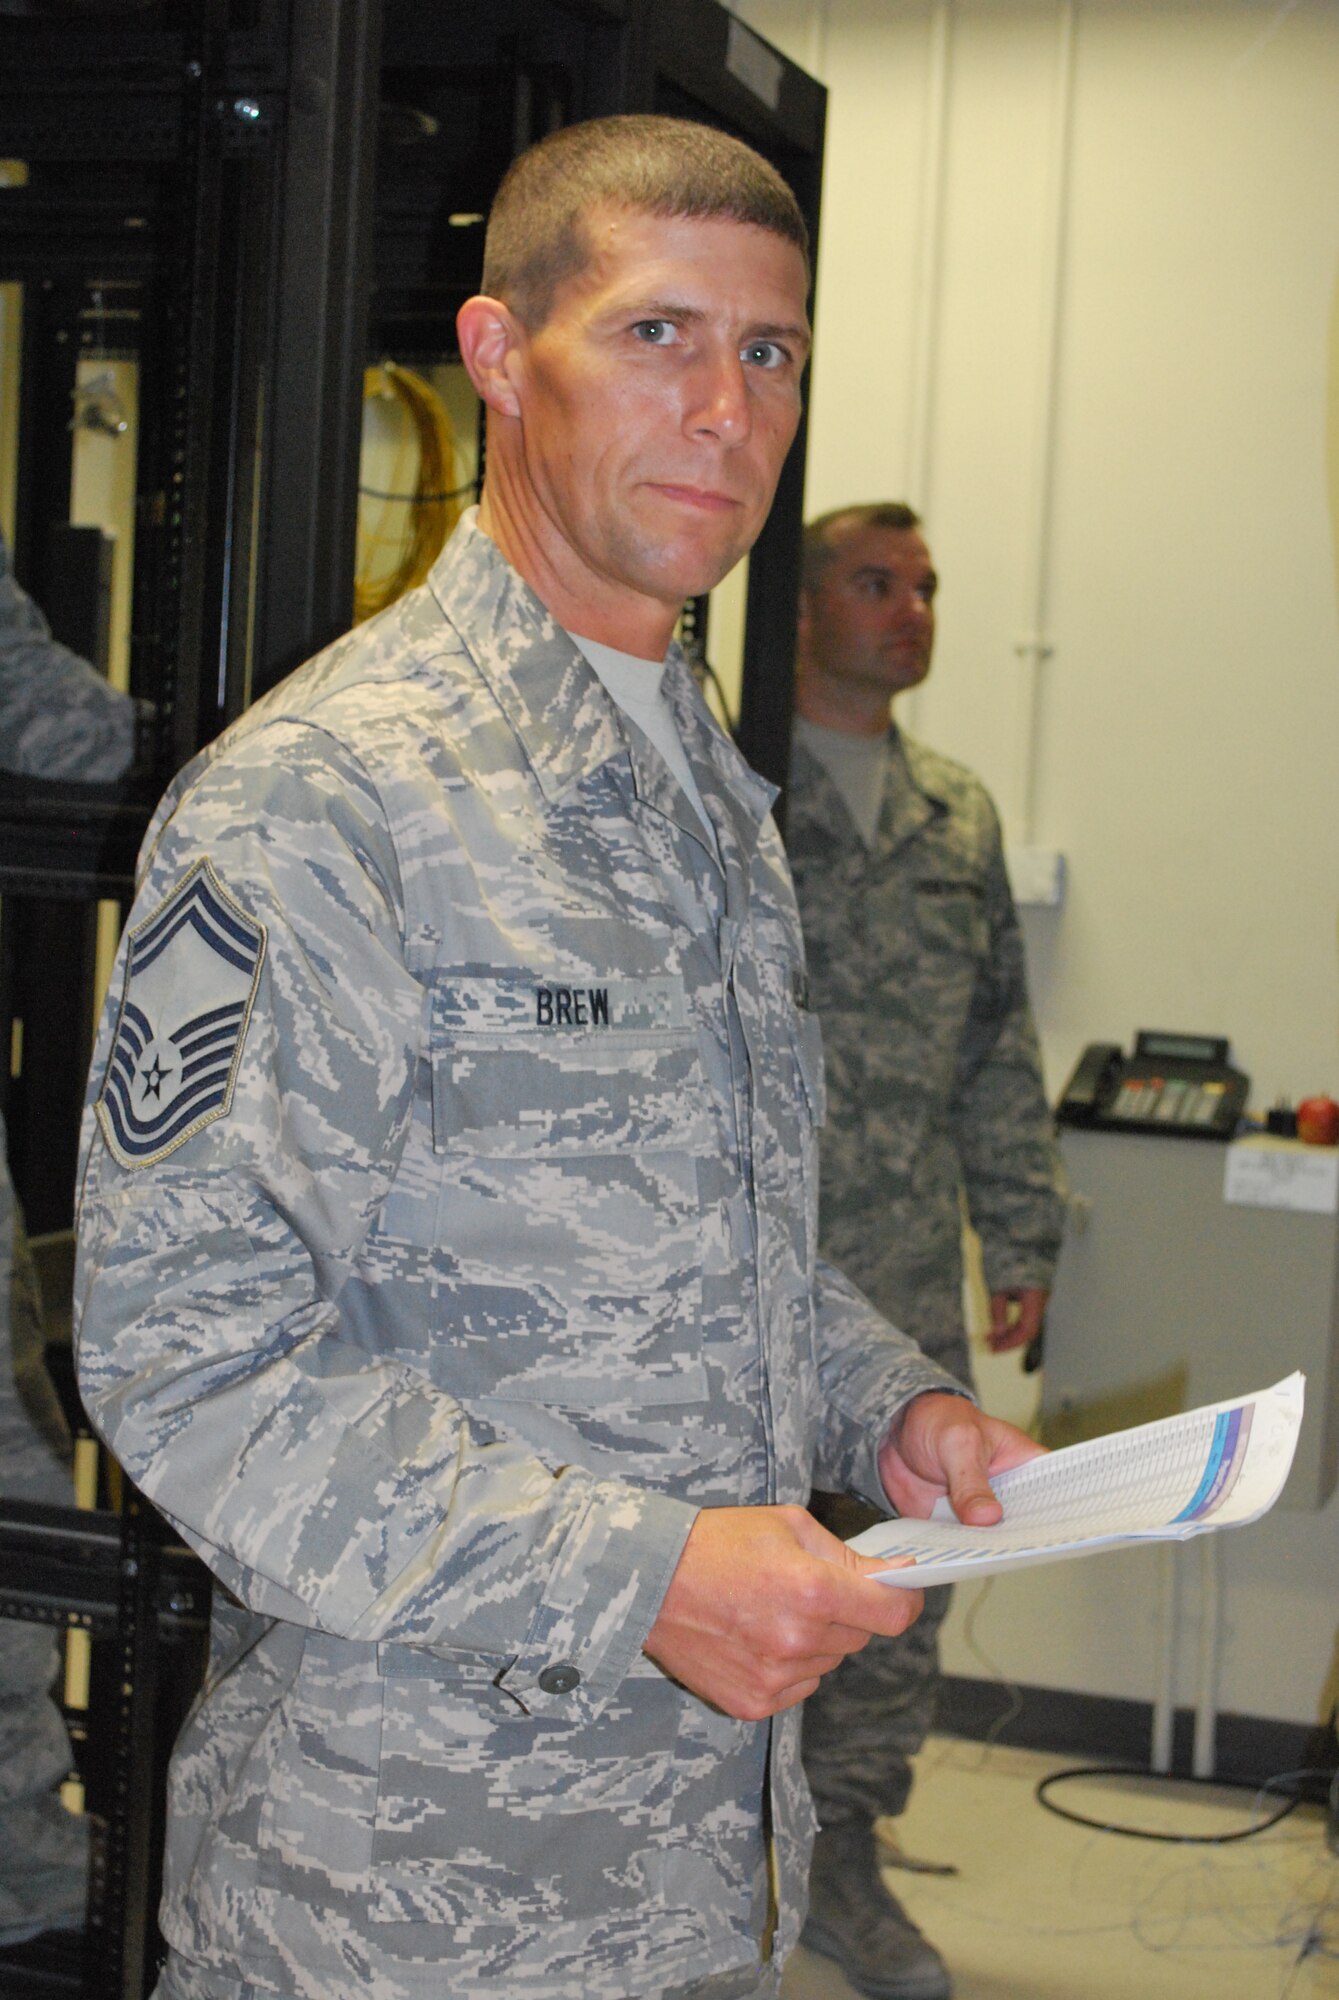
[765, 353]
[655, 332]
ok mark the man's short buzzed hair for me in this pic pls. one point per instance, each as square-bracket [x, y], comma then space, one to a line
[819, 538]
[669, 167]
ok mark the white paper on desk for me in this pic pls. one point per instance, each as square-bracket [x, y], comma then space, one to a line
[1303, 1178]
[1215, 1467]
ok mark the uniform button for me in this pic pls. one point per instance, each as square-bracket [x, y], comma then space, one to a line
[559, 1680]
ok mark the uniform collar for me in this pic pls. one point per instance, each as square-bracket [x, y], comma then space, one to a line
[910, 800]
[736, 798]
[818, 814]
[565, 721]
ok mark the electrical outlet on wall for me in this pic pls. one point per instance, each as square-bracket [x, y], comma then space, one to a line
[1036, 875]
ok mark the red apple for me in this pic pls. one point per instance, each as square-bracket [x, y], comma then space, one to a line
[1318, 1121]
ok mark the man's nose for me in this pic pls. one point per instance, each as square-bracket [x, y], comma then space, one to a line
[911, 608]
[720, 405]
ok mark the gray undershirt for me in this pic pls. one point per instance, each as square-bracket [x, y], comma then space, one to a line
[857, 766]
[637, 687]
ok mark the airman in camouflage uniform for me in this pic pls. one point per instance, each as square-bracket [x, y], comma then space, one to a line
[934, 1093]
[43, 1848]
[59, 718]
[448, 1264]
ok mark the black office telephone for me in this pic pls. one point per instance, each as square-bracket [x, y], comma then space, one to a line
[1179, 1085]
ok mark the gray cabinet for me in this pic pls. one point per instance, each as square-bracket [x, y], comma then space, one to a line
[1167, 1296]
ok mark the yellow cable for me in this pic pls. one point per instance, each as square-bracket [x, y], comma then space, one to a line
[432, 510]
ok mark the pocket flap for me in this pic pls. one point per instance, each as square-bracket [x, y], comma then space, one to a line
[521, 1067]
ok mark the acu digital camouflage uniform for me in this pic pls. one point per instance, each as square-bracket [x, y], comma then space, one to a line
[59, 718]
[475, 1252]
[43, 1848]
[935, 1090]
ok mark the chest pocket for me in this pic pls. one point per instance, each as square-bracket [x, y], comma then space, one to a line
[950, 918]
[571, 1121]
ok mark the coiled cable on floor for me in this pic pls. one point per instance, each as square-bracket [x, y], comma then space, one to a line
[1264, 1788]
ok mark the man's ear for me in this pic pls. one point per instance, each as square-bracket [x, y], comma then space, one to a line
[490, 338]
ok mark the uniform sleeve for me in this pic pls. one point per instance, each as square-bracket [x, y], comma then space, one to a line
[58, 717]
[1000, 1122]
[868, 1371]
[324, 1480]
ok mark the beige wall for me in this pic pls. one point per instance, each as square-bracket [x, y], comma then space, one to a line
[1077, 299]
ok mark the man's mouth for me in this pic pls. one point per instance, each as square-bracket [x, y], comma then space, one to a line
[706, 499]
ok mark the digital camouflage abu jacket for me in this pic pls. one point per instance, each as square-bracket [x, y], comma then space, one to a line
[447, 1239]
[916, 971]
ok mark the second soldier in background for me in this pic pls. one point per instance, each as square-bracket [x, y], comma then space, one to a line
[934, 1092]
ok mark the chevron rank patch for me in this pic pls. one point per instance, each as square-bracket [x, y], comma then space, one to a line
[192, 969]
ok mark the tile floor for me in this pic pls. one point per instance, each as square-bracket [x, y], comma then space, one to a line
[1041, 1909]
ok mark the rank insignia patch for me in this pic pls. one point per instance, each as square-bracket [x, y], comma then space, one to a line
[192, 970]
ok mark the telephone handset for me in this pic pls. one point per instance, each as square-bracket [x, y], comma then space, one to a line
[1180, 1085]
[1092, 1081]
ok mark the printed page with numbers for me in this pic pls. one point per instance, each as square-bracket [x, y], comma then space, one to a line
[1216, 1467]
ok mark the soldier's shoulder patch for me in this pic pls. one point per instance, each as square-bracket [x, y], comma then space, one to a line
[192, 970]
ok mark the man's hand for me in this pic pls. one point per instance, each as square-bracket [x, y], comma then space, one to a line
[763, 1602]
[1016, 1317]
[943, 1444]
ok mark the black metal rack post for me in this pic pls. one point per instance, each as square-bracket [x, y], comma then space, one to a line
[143, 1600]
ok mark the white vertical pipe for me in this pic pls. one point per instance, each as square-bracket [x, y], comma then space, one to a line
[1033, 645]
[1211, 1632]
[1164, 1699]
[927, 277]
[816, 60]
[927, 281]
